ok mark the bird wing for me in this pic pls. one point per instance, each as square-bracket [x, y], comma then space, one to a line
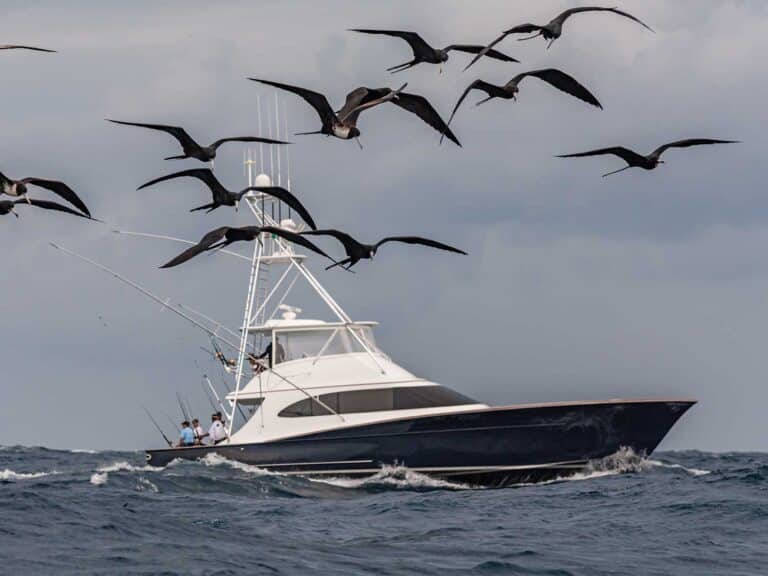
[490, 89]
[361, 99]
[20, 47]
[563, 82]
[630, 157]
[314, 99]
[488, 48]
[423, 109]
[476, 49]
[568, 13]
[47, 205]
[4, 182]
[203, 174]
[186, 141]
[296, 239]
[420, 48]
[524, 29]
[689, 142]
[246, 139]
[350, 244]
[420, 241]
[285, 196]
[62, 190]
[205, 243]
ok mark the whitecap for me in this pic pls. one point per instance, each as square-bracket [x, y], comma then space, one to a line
[397, 476]
[123, 466]
[213, 459]
[83, 451]
[8, 475]
[99, 478]
[691, 471]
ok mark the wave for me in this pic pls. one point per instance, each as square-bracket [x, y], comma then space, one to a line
[99, 478]
[9, 475]
[394, 476]
[83, 451]
[123, 466]
[213, 459]
[691, 471]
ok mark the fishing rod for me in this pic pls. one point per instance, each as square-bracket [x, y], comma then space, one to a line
[208, 394]
[148, 294]
[170, 444]
[184, 413]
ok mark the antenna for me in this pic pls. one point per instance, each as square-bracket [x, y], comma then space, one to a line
[261, 144]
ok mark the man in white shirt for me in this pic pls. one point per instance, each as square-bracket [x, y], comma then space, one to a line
[198, 430]
[217, 433]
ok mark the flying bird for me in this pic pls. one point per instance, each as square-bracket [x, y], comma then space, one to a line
[553, 29]
[223, 197]
[509, 91]
[423, 52]
[20, 47]
[357, 251]
[226, 235]
[343, 124]
[9, 207]
[18, 188]
[649, 162]
[191, 148]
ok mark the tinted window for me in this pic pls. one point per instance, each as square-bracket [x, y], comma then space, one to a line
[376, 401]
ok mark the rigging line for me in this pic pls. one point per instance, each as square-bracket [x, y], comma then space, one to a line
[174, 239]
[148, 294]
[287, 157]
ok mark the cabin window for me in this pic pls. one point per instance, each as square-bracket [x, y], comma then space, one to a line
[297, 345]
[376, 400]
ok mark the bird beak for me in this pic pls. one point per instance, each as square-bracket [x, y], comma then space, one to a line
[441, 68]
[358, 142]
[237, 205]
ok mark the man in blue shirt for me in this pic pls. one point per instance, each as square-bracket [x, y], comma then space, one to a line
[187, 436]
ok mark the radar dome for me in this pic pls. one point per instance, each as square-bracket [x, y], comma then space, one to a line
[262, 180]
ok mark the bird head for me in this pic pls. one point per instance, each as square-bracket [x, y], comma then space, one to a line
[21, 188]
[371, 251]
[354, 132]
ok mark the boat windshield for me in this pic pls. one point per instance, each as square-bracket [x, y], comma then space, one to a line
[299, 344]
[377, 400]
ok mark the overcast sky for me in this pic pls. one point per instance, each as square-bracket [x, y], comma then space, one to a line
[577, 287]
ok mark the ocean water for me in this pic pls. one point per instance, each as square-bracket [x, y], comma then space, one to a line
[78, 512]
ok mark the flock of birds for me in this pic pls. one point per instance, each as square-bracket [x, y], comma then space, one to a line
[342, 124]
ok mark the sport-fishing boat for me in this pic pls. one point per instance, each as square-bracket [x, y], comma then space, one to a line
[328, 401]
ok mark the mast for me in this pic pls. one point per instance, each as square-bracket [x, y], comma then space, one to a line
[271, 250]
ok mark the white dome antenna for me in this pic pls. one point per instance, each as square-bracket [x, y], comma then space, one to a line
[289, 312]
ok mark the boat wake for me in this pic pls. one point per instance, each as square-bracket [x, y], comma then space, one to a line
[214, 469]
[394, 477]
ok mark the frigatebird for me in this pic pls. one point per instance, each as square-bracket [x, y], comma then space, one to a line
[553, 29]
[9, 206]
[423, 52]
[191, 148]
[18, 188]
[20, 47]
[357, 251]
[223, 197]
[649, 162]
[509, 91]
[226, 235]
[343, 124]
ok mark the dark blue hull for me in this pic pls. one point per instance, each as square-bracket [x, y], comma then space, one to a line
[492, 446]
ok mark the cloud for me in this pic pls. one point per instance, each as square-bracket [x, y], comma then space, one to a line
[576, 286]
